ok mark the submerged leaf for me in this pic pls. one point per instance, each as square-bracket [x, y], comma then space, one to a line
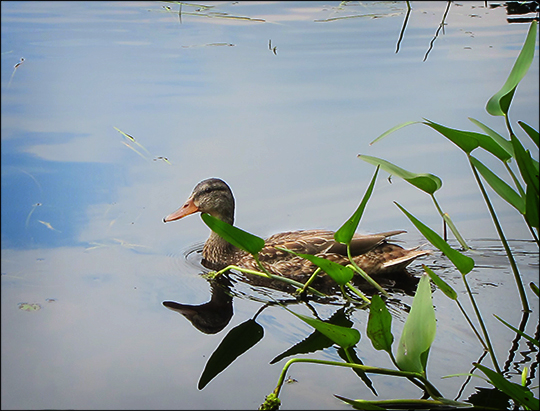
[428, 183]
[499, 104]
[419, 330]
[234, 235]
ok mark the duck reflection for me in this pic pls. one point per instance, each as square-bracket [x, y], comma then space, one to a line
[212, 316]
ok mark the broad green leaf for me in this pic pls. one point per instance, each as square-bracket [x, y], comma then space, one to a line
[506, 192]
[339, 273]
[419, 330]
[441, 284]
[500, 140]
[428, 183]
[343, 336]
[239, 339]
[346, 232]
[469, 140]
[518, 393]
[462, 262]
[499, 104]
[528, 167]
[379, 325]
[532, 133]
[383, 135]
[234, 235]
[527, 337]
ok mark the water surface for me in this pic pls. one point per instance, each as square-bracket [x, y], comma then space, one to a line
[279, 109]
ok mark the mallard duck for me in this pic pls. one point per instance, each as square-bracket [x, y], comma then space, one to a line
[371, 252]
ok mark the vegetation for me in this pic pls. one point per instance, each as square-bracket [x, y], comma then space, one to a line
[412, 351]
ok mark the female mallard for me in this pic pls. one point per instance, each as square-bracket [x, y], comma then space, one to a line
[371, 252]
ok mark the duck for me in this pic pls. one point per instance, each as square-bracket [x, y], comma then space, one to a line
[371, 252]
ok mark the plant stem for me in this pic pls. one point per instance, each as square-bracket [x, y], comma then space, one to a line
[364, 274]
[482, 325]
[513, 264]
[471, 325]
[271, 276]
[430, 388]
[448, 221]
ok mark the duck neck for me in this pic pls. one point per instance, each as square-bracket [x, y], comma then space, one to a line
[218, 253]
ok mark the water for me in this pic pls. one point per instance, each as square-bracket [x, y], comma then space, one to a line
[82, 236]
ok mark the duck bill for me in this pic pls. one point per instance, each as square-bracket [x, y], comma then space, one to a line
[188, 208]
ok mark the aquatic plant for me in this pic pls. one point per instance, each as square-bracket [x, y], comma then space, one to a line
[419, 329]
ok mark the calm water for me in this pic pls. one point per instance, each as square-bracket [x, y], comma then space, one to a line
[278, 108]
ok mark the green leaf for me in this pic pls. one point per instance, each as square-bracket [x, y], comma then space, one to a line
[428, 183]
[346, 232]
[497, 138]
[379, 325]
[418, 332]
[462, 262]
[533, 134]
[234, 235]
[469, 140]
[520, 394]
[499, 104]
[531, 208]
[441, 284]
[506, 192]
[527, 166]
[239, 339]
[339, 273]
[343, 336]
[383, 135]
[439, 403]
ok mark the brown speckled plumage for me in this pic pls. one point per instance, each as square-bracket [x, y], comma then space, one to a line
[371, 252]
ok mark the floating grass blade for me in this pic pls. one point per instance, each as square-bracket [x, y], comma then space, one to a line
[418, 332]
[499, 104]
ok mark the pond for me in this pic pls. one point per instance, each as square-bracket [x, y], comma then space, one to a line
[113, 111]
